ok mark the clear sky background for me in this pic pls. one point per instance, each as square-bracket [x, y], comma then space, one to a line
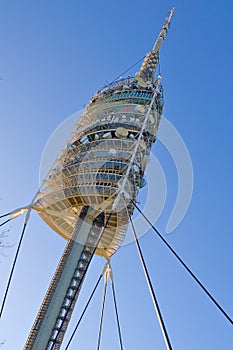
[53, 56]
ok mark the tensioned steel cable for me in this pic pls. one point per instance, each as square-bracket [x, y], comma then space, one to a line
[84, 310]
[5, 222]
[7, 214]
[128, 69]
[117, 314]
[102, 310]
[15, 260]
[184, 265]
[154, 299]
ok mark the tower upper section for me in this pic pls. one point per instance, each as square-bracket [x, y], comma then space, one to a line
[106, 153]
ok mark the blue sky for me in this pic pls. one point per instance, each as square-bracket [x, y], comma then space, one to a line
[54, 55]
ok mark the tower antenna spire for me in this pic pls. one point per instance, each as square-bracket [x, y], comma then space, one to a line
[151, 60]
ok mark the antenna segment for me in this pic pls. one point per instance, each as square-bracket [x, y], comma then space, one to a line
[151, 61]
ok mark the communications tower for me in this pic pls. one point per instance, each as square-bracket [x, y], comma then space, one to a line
[88, 195]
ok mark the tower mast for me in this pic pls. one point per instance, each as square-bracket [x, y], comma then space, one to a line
[151, 61]
[81, 198]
